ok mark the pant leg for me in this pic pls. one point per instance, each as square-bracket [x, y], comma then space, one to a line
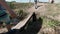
[6, 20]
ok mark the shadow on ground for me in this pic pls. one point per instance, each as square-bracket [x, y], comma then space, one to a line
[33, 27]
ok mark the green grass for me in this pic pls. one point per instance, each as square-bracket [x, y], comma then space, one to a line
[23, 5]
[50, 23]
[16, 5]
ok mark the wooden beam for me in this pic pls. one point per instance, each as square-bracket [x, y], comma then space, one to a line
[22, 23]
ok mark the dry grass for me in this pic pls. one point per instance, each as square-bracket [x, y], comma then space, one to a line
[53, 9]
[51, 26]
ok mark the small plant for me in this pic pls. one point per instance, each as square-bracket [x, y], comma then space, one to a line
[21, 14]
[50, 23]
[11, 5]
